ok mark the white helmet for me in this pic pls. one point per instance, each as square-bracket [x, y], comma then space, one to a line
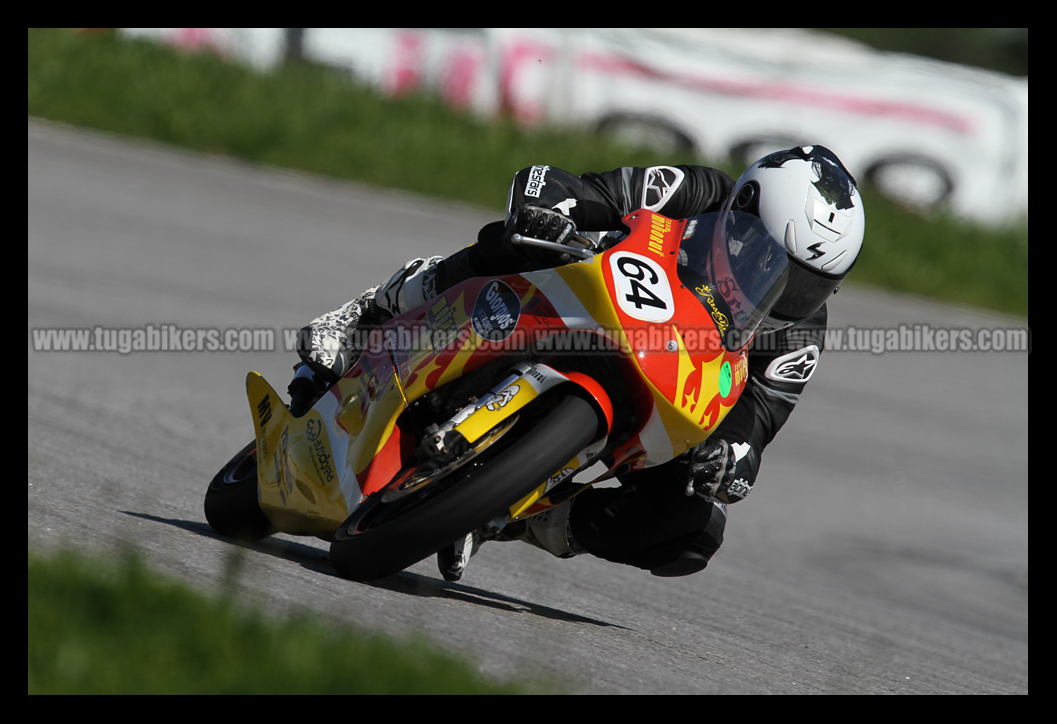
[809, 201]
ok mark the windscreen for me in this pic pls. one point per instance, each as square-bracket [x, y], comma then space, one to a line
[736, 269]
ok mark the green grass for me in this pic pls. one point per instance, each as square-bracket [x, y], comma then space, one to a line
[303, 117]
[100, 628]
[944, 258]
[317, 120]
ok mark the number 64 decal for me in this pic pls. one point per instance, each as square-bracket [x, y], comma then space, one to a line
[642, 289]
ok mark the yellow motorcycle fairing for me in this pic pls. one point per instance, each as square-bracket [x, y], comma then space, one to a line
[299, 482]
[685, 382]
[691, 387]
[316, 469]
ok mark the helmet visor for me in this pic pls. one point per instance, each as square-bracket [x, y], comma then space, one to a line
[736, 269]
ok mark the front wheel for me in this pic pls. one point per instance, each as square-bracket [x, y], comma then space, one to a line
[381, 538]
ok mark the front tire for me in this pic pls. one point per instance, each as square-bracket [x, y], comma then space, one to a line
[380, 538]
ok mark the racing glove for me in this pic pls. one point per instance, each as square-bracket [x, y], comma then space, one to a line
[540, 223]
[712, 473]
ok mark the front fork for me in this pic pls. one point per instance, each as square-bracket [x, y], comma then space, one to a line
[526, 382]
[479, 419]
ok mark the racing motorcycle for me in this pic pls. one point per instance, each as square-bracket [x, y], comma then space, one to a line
[480, 407]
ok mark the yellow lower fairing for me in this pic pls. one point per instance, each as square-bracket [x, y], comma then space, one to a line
[299, 485]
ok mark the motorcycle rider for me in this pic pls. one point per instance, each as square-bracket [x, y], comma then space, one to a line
[668, 519]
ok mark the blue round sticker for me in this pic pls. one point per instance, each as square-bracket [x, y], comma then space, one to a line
[496, 311]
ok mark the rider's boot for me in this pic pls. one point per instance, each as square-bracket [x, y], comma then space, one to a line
[330, 344]
[549, 531]
[452, 559]
[305, 388]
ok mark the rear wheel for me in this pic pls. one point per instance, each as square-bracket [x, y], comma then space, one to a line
[231, 505]
[381, 538]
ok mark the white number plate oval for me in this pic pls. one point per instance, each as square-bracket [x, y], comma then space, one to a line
[641, 287]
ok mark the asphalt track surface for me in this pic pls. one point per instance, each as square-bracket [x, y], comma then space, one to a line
[884, 549]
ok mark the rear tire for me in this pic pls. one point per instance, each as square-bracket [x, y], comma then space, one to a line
[380, 538]
[231, 505]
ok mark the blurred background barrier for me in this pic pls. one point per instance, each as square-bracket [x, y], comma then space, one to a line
[924, 132]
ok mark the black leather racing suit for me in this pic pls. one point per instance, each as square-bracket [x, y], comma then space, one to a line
[649, 522]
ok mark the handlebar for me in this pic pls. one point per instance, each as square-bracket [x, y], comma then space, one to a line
[555, 246]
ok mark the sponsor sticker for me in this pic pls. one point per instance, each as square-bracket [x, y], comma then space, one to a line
[318, 454]
[725, 379]
[706, 293]
[496, 311]
[443, 323]
[500, 401]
